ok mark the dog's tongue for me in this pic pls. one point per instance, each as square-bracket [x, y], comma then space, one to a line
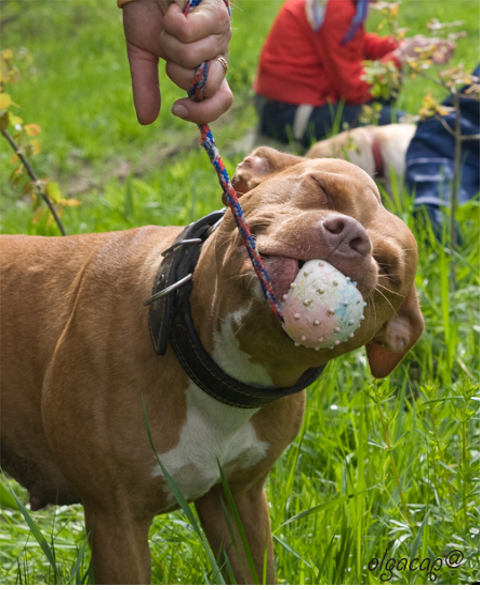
[322, 307]
[282, 272]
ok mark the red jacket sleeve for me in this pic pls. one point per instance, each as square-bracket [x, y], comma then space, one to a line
[343, 63]
[376, 47]
[382, 48]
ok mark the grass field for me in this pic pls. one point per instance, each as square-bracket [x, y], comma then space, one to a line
[380, 468]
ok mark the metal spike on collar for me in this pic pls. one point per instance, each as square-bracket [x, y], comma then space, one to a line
[168, 289]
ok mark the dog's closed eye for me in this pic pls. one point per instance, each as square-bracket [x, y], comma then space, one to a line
[321, 193]
[259, 225]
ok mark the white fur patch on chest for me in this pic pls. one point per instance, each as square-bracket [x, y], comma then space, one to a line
[212, 432]
[215, 431]
[237, 363]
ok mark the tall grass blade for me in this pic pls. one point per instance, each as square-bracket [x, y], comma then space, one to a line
[322, 507]
[239, 525]
[232, 536]
[290, 550]
[36, 533]
[7, 499]
[182, 502]
[76, 568]
[418, 538]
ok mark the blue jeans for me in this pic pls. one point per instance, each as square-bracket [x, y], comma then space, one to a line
[277, 119]
[430, 160]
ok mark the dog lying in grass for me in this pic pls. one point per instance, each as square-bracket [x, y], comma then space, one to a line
[379, 150]
[227, 386]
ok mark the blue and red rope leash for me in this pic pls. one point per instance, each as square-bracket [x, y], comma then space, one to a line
[208, 143]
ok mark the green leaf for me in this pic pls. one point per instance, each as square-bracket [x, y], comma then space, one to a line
[4, 120]
[7, 499]
[324, 506]
[53, 191]
[5, 100]
[76, 568]
[37, 534]
[418, 538]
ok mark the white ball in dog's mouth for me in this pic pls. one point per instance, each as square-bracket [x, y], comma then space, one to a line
[323, 307]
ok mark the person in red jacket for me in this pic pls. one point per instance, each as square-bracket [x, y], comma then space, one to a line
[310, 71]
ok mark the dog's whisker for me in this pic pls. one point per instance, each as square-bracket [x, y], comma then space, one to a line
[240, 276]
[386, 289]
[386, 298]
[372, 306]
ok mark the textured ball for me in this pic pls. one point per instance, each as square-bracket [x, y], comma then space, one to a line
[323, 307]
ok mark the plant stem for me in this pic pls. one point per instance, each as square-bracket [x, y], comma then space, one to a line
[456, 170]
[34, 177]
[470, 137]
[465, 468]
[394, 465]
[425, 76]
[442, 458]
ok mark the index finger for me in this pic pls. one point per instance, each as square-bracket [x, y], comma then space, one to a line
[146, 90]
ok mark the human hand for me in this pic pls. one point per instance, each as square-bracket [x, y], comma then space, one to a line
[154, 30]
[186, 42]
[409, 48]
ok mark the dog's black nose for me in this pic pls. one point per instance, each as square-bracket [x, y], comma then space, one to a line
[346, 234]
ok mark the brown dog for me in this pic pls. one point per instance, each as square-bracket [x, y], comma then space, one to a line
[379, 150]
[78, 362]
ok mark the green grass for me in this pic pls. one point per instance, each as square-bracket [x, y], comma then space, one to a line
[367, 449]
[76, 84]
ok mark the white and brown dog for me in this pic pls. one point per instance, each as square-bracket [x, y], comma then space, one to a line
[78, 363]
[379, 150]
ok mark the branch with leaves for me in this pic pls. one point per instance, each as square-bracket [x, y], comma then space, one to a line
[425, 63]
[22, 138]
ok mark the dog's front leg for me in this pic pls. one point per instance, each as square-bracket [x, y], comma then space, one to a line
[252, 508]
[119, 544]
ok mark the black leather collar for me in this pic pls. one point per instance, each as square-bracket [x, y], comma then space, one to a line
[170, 319]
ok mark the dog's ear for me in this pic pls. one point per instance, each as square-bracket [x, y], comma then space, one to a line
[396, 337]
[261, 164]
[250, 173]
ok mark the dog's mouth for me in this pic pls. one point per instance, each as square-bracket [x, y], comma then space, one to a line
[282, 271]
